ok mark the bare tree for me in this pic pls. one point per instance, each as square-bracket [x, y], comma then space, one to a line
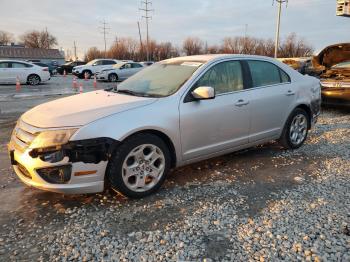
[294, 47]
[6, 38]
[37, 39]
[92, 54]
[192, 46]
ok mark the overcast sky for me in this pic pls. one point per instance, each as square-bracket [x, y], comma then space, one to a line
[174, 20]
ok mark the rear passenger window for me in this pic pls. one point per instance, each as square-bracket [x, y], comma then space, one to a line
[264, 73]
[284, 77]
[4, 65]
[18, 65]
[109, 62]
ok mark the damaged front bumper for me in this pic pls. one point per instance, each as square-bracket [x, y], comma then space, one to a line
[77, 167]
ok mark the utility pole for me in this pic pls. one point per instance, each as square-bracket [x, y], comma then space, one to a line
[75, 52]
[146, 9]
[104, 32]
[141, 45]
[277, 39]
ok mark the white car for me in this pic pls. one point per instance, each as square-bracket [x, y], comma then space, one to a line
[26, 73]
[94, 66]
[119, 71]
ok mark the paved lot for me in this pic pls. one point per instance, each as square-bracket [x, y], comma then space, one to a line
[262, 204]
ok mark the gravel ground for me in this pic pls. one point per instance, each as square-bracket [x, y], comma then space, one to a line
[261, 204]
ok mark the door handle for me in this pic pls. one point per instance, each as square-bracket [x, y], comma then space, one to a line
[290, 93]
[241, 102]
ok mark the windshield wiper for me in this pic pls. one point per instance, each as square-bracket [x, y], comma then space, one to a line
[129, 92]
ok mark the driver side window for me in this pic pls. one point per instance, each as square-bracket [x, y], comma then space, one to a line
[224, 77]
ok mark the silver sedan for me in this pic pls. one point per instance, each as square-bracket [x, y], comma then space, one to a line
[170, 114]
[119, 72]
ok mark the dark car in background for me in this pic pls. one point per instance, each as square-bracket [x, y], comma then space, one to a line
[334, 64]
[69, 66]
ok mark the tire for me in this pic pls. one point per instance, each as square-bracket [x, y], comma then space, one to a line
[295, 130]
[130, 168]
[113, 77]
[88, 72]
[33, 80]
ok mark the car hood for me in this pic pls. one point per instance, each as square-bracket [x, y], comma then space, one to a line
[79, 110]
[331, 55]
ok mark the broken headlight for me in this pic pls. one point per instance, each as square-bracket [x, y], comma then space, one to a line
[52, 138]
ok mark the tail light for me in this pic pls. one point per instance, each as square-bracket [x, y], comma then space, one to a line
[45, 69]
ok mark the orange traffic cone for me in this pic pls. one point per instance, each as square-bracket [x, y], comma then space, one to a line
[64, 73]
[81, 88]
[95, 82]
[18, 84]
[75, 84]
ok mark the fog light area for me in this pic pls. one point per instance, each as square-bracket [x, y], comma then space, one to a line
[56, 175]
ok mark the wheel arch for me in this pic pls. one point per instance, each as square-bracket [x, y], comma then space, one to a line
[162, 136]
[33, 74]
[113, 74]
[307, 109]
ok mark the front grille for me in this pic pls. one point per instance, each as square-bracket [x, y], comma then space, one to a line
[23, 135]
[24, 171]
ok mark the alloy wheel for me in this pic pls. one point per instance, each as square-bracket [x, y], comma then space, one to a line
[298, 129]
[143, 167]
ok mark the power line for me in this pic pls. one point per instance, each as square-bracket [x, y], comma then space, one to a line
[104, 32]
[277, 39]
[146, 9]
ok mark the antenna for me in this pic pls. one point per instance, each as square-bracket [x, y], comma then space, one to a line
[146, 8]
[104, 32]
[277, 39]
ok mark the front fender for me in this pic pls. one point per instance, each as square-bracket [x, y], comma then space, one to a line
[161, 116]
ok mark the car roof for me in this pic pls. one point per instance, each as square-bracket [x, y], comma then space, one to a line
[213, 57]
[11, 60]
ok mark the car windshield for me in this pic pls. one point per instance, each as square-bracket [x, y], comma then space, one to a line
[119, 65]
[159, 80]
[92, 62]
[342, 65]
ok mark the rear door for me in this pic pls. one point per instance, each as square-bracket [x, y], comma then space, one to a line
[222, 123]
[20, 70]
[271, 97]
[136, 67]
[5, 72]
[126, 71]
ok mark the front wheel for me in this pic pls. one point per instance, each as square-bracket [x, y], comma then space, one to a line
[112, 78]
[139, 166]
[296, 129]
[33, 80]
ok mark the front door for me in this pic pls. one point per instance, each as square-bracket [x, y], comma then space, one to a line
[211, 126]
[5, 72]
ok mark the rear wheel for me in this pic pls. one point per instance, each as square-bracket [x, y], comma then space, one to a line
[296, 129]
[139, 166]
[87, 73]
[112, 78]
[33, 80]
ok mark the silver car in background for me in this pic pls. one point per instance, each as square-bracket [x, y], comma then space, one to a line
[119, 72]
[170, 114]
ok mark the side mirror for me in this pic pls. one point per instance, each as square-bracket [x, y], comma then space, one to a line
[203, 93]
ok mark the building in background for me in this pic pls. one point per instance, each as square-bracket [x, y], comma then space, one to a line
[343, 8]
[47, 56]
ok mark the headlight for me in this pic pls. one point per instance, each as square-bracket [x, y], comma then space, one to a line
[52, 138]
